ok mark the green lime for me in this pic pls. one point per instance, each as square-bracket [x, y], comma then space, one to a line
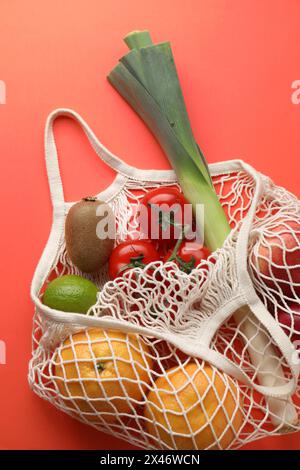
[70, 293]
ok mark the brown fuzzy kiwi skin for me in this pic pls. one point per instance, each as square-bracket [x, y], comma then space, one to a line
[86, 251]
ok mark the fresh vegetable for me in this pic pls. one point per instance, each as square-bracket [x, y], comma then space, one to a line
[276, 256]
[131, 254]
[102, 373]
[70, 293]
[196, 407]
[162, 215]
[90, 234]
[147, 79]
[189, 255]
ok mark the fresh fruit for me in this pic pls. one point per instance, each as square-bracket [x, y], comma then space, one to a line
[70, 293]
[189, 255]
[102, 372]
[162, 215]
[290, 322]
[276, 257]
[90, 234]
[131, 254]
[197, 406]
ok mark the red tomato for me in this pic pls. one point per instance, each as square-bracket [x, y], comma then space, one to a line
[189, 255]
[162, 215]
[131, 254]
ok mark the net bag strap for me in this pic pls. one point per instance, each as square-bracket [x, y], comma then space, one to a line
[108, 157]
[252, 300]
[190, 348]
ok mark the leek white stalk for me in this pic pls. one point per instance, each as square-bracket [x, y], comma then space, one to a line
[147, 79]
[264, 358]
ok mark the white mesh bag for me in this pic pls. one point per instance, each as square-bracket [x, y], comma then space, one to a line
[169, 360]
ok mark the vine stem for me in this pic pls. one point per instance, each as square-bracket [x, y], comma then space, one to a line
[178, 243]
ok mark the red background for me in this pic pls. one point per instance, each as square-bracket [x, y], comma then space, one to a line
[236, 60]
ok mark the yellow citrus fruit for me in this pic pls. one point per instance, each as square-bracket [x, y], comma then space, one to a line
[102, 371]
[194, 407]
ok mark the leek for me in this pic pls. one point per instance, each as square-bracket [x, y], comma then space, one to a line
[147, 79]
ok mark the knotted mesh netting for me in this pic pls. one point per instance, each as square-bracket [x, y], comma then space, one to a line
[169, 360]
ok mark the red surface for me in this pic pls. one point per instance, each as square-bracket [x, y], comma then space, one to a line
[236, 60]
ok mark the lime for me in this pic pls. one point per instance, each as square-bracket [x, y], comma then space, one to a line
[70, 293]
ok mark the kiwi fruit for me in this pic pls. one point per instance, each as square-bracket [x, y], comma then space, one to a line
[90, 234]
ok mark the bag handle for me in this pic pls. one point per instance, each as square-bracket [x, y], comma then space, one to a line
[114, 162]
[192, 348]
[253, 301]
[52, 164]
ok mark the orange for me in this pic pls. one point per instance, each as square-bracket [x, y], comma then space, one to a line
[187, 408]
[102, 372]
